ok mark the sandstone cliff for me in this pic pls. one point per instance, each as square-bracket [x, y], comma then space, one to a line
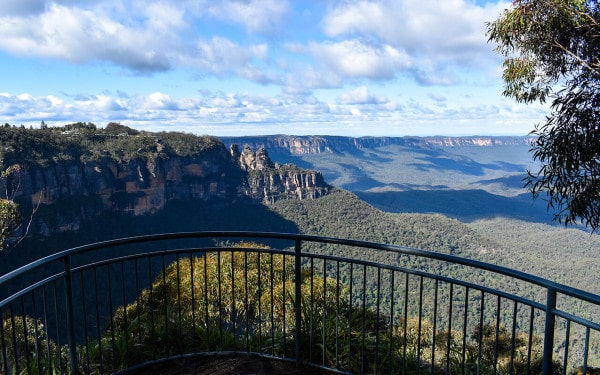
[299, 145]
[65, 190]
[269, 182]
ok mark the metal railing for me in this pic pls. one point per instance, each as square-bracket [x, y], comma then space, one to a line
[345, 305]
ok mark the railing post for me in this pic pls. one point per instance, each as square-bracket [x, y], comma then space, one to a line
[70, 317]
[549, 332]
[298, 300]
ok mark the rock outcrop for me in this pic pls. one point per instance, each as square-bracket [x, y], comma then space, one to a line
[270, 182]
[65, 193]
[300, 145]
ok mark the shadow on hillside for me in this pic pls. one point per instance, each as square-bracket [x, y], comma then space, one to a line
[464, 205]
[440, 161]
[177, 216]
[514, 182]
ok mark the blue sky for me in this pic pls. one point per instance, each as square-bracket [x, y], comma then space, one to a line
[248, 67]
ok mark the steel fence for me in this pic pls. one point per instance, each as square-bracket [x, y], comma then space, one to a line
[344, 305]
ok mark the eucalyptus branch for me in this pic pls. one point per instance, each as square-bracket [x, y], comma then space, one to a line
[581, 61]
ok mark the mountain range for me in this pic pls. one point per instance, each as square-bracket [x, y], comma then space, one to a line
[461, 195]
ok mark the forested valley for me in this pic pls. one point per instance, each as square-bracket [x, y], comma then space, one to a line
[488, 220]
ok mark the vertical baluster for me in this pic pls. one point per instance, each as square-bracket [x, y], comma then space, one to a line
[586, 349]
[45, 322]
[480, 338]
[193, 301]
[567, 339]
[70, 314]
[464, 333]
[36, 332]
[179, 312]
[298, 299]
[364, 319]
[283, 303]
[378, 310]
[98, 334]
[530, 341]
[434, 329]
[233, 309]
[419, 324]
[324, 314]
[206, 316]
[337, 313]
[219, 300]
[497, 339]
[405, 327]
[260, 334]
[350, 318]
[312, 310]
[549, 332]
[513, 342]
[449, 339]
[391, 333]
[85, 321]
[112, 321]
[272, 284]
[246, 306]
[4, 367]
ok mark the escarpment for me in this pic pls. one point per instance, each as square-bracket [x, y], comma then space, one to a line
[138, 174]
[268, 182]
[314, 144]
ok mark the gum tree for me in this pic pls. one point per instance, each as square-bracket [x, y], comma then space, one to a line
[10, 217]
[552, 51]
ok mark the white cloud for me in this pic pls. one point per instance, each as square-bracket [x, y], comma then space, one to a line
[433, 33]
[254, 15]
[157, 101]
[356, 59]
[437, 97]
[239, 49]
[361, 95]
[222, 57]
[447, 29]
[99, 103]
[229, 101]
[159, 111]
[82, 35]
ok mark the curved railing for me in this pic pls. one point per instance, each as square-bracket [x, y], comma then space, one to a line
[345, 305]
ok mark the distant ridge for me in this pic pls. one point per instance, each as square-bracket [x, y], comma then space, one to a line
[317, 144]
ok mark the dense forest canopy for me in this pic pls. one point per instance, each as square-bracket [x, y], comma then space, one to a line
[84, 141]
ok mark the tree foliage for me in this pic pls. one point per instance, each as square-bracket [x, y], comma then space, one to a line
[9, 219]
[84, 142]
[552, 51]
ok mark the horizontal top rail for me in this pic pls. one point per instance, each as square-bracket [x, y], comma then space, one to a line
[551, 285]
[70, 279]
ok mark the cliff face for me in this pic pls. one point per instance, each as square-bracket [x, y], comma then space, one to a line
[269, 182]
[285, 182]
[65, 193]
[299, 145]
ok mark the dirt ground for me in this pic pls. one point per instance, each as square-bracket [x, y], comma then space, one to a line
[228, 365]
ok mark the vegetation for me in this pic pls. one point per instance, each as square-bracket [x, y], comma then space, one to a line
[10, 218]
[243, 301]
[85, 142]
[10, 215]
[339, 214]
[551, 49]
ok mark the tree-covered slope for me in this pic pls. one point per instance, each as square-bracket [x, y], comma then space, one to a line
[565, 255]
[343, 214]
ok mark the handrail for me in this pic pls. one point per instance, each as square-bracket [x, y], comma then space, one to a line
[560, 288]
[549, 308]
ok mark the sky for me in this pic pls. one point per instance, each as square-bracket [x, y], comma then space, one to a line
[258, 67]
